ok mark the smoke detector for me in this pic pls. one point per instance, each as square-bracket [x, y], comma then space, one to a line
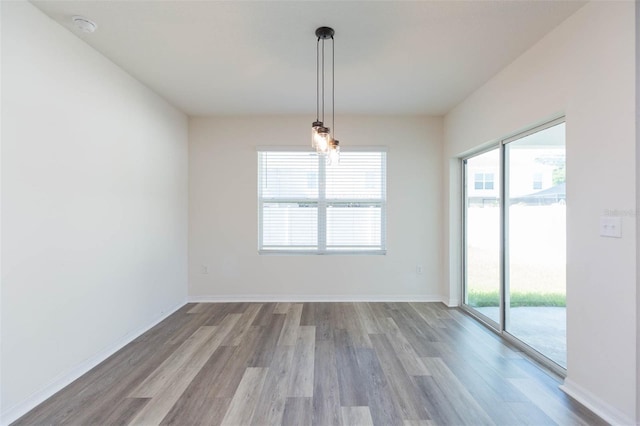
[83, 24]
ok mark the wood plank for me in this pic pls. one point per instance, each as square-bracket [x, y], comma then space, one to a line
[199, 404]
[181, 334]
[166, 373]
[456, 393]
[326, 397]
[383, 409]
[429, 314]
[355, 328]
[480, 377]
[122, 413]
[289, 333]
[167, 384]
[270, 407]
[440, 409]
[405, 393]
[282, 308]
[381, 312]
[404, 314]
[192, 354]
[339, 315]
[157, 408]
[197, 308]
[302, 369]
[368, 319]
[419, 423]
[268, 339]
[323, 321]
[547, 402]
[417, 332]
[264, 316]
[356, 416]
[243, 403]
[405, 352]
[228, 380]
[527, 413]
[308, 314]
[491, 391]
[350, 380]
[202, 354]
[298, 412]
[217, 312]
[236, 335]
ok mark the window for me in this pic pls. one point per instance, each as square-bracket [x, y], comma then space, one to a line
[537, 181]
[306, 206]
[483, 181]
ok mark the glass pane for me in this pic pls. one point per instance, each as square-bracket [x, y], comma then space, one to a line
[290, 225]
[536, 243]
[353, 226]
[482, 238]
[360, 175]
[289, 175]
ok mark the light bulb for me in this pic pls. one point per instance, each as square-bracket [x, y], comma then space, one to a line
[322, 140]
[334, 153]
[322, 144]
[315, 126]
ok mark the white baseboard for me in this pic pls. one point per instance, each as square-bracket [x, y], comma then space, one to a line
[452, 303]
[20, 409]
[313, 298]
[608, 413]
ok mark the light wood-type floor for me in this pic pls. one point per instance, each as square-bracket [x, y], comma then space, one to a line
[314, 364]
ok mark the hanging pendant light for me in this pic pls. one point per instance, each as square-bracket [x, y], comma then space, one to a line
[322, 140]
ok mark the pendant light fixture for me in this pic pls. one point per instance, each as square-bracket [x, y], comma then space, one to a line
[322, 139]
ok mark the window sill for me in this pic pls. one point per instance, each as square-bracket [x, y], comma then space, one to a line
[322, 253]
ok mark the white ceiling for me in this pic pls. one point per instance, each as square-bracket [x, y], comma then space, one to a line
[246, 57]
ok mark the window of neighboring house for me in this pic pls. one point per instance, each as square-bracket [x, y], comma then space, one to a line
[308, 207]
[483, 180]
[537, 181]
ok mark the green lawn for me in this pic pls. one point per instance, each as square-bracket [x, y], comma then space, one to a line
[536, 258]
[518, 299]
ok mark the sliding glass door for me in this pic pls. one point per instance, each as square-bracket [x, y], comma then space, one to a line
[515, 251]
[536, 241]
[482, 233]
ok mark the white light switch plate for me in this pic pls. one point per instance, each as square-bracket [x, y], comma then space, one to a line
[611, 226]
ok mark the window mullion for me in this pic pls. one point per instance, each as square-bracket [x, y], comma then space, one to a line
[383, 195]
[262, 158]
[322, 204]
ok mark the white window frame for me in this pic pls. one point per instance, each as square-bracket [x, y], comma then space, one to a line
[322, 203]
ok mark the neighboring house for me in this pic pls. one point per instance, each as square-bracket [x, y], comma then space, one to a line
[531, 180]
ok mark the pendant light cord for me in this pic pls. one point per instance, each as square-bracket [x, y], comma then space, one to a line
[333, 86]
[318, 80]
[323, 80]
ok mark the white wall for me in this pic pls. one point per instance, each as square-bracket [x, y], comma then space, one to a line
[94, 206]
[637, 212]
[585, 69]
[223, 222]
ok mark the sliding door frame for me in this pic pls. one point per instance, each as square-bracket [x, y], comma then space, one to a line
[504, 249]
[470, 309]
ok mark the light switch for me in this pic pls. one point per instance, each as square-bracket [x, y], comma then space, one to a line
[611, 226]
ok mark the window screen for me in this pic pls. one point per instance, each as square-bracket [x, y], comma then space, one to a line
[306, 206]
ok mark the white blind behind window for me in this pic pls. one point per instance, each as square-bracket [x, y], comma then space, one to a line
[306, 206]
